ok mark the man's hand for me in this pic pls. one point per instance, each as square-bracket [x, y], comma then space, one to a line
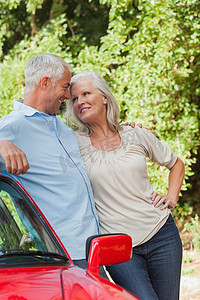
[132, 124]
[15, 159]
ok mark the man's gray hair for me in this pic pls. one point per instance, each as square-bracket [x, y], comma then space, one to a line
[112, 107]
[46, 64]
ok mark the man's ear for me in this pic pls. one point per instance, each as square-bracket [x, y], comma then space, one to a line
[44, 82]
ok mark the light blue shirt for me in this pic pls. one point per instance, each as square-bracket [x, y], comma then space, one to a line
[57, 179]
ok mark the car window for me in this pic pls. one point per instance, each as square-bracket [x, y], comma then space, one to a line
[21, 230]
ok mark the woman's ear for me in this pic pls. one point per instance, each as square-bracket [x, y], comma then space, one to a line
[105, 100]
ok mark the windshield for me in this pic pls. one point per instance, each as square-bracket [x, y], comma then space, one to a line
[23, 237]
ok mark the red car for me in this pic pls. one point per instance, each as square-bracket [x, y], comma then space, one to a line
[35, 265]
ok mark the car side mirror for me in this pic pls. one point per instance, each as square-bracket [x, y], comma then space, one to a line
[107, 249]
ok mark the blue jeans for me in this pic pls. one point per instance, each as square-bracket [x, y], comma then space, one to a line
[154, 271]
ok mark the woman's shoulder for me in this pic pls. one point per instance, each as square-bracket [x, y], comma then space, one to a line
[136, 130]
[137, 134]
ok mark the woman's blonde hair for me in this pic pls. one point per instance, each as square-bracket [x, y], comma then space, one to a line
[112, 107]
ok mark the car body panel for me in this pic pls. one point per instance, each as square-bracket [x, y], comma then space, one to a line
[34, 264]
[53, 282]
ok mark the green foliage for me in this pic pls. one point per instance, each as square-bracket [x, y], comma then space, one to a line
[184, 272]
[13, 66]
[150, 58]
[194, 228]
[186, 208]
[9, 204]
[186, 260]
[21, 19]
[32, 5]
[147, 50]
[11, 232]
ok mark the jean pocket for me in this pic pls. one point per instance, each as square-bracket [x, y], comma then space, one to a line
[170, 221]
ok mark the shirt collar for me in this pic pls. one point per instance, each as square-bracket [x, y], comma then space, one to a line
[26, 110]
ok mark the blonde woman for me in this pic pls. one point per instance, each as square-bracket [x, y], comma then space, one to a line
[115, 159]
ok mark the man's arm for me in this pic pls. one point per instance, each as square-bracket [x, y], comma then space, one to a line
[15, 159]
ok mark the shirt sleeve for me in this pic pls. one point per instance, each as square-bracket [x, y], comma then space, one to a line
[7, 131]
[156, 150]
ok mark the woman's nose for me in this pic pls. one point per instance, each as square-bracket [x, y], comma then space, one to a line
[80, 100]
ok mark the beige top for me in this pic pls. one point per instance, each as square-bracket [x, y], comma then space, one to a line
[121, 186]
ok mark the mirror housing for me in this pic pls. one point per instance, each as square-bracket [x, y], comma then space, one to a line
[107, 249]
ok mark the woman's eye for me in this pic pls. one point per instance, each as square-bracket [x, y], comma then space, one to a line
[74, 100]
[86, 93]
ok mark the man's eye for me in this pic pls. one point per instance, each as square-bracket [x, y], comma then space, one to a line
[74, 100]
[86, 93]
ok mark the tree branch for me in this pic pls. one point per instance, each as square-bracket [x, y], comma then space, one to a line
[34, 29]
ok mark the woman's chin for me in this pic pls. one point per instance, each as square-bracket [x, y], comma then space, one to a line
[86, 119]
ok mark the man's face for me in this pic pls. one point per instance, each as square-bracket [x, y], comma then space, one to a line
[57, 93]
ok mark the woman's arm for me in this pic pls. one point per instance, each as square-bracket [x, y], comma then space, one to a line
[176, 176]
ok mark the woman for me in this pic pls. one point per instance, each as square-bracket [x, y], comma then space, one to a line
[115, 158]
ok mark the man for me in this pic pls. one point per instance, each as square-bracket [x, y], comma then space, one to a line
[52, 171]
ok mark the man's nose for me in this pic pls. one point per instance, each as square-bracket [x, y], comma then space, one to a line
[67, 95]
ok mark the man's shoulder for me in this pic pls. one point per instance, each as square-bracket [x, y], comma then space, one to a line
[10, 119]
[63, 125]
[8, 127]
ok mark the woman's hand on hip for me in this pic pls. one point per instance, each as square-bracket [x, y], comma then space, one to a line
[161, 201]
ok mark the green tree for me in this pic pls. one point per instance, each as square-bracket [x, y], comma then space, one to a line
[150, 56]
[21, 19]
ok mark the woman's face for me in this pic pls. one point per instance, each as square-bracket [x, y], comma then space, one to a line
[89, 104]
